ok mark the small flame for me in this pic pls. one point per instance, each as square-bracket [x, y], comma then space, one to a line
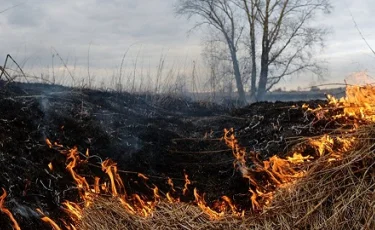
[187, 183]
[140, 175]
[171, 199]
[49, 143]
[6, 211]
[171, 184]
[297, 158]
[202, 204]
[73, 209]
[233, 208]
[48, 220]
[50, 166]
[51, 222]
[110, 167]
[96, 185]
[73, 159]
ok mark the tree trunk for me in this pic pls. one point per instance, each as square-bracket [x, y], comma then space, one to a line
[265, 57]
[236, 69]
[237, 75]
[251, 18]
[263, 78]
[254, 68]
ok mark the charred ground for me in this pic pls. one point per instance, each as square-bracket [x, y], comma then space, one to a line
[158, 136]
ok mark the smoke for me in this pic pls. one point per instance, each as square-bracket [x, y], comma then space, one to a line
[23, 210]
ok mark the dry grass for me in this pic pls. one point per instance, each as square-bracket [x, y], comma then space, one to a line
[336, 195]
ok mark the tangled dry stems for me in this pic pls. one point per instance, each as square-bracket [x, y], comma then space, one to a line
[332, 195]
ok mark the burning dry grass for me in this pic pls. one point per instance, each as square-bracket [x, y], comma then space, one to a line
[336, 195]
[332, 195]
[109, 214]
[325, 182]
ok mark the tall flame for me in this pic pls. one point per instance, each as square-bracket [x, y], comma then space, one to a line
[110, 167]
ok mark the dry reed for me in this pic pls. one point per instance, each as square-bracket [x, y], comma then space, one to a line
[332, 195]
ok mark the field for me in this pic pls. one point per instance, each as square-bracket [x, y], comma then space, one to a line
[166, 162]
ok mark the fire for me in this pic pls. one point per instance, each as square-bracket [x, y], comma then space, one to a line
[96, 185]
[358, 103]
[73, 159]
[48, 142]
[73, 209]
[202, 204]
[6, 211]
[51, 222]
[169, 196]
[297, 158]
[264, 177]
[140, 175]
[110, 167]
[187, 183]
[278, 172]
[233, 207]
[170, 182]
[50, 166]
[48, 220]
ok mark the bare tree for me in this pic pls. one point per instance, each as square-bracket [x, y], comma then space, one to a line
[288, 38]
[252, 14]
[220, 15]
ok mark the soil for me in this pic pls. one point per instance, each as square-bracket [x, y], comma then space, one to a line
[159, 136]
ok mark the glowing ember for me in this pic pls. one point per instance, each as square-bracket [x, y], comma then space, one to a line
[6, 211]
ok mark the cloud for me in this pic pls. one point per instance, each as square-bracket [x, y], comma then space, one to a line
[34, 29]
[32, 16]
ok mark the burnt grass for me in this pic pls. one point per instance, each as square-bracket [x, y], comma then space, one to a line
[158, 136]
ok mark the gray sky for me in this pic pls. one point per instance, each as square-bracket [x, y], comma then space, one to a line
[30, 33]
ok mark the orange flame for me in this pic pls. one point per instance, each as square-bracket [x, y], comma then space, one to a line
[202, 204]
[50, 166]
[73, 209]
[140, 175]
[110, 167]
[48, 220]
[171, 184]
[280, 172]
[73, 159]
[51, 222]
[49, 143]
[96, 185]
[187, 183]
[273, 173]
[6, 211]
